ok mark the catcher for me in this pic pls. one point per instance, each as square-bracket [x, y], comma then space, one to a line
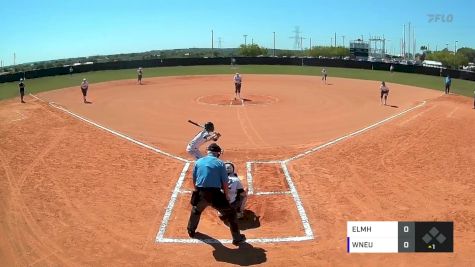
[207, 134]
[236, 193]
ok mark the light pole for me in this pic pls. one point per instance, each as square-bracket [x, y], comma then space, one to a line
[245, 39]
[455, 53]
[274, 44]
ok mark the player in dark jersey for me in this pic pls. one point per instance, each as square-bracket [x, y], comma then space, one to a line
[21, 85]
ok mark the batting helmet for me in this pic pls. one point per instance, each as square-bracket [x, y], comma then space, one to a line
[209, 126]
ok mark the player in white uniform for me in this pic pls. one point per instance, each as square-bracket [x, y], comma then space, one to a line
[324, 75]
[384, 92]
[84, 88]
[202, 137]
[236, 194]
[237, 85]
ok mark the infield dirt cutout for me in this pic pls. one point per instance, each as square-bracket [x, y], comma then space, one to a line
[72, 194]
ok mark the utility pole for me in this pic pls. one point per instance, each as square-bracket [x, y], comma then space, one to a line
[343, 37]
[274, 44]
[212, 43]
[14, 59]
[219, 42]
[245, 39]
[335, 39]
[409, 40]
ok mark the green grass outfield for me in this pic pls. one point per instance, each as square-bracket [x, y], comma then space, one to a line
[10, 90]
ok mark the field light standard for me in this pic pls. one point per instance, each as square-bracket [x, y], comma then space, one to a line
[455, 53]
[245, 39]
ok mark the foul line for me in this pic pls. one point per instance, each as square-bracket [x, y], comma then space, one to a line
[352, 134]
[120, 134]
[171, 203]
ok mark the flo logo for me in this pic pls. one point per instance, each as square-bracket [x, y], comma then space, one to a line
[440, 18]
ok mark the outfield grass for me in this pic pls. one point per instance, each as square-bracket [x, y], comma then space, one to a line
[9, 90]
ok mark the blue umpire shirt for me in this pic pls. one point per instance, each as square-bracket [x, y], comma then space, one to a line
[209, 172]
[448, 81]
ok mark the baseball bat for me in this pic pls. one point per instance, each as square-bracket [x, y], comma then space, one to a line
[194, 123]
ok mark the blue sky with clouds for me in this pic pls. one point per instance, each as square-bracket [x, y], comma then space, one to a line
[50, 29]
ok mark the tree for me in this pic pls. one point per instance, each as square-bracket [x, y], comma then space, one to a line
[252, 50]
[327, 51]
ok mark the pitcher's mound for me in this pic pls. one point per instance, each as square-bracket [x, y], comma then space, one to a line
[229, 100]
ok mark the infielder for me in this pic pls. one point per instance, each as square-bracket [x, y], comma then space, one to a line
[384, 92]
[21, 85]
[207, 134]
[324, 75]
[237, 85]
[139, 75]
[84, 88]
[237, 196]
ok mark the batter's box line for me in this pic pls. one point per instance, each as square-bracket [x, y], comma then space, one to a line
[160, 238]
[188, 192]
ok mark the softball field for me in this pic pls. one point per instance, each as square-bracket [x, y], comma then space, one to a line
[108, 183]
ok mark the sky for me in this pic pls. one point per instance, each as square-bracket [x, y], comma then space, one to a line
[36, 30]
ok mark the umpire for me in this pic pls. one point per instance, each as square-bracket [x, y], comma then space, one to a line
[209, 177]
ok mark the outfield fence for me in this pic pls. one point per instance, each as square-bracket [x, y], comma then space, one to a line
[295, 61]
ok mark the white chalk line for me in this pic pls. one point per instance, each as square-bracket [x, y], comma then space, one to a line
[273, 193]
[250, 186]
[228, 241]
[264, 193]
[119, 134]
[352, 134]
[171, 203]
[298, 202]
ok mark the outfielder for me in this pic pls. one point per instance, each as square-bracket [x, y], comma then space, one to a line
[139, 75]
[237, 85]
[207, 134]
[84, 88]
[21, 85]
[324, 75]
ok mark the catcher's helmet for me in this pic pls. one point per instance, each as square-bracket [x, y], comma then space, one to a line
[229, 167]
[209, 126]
